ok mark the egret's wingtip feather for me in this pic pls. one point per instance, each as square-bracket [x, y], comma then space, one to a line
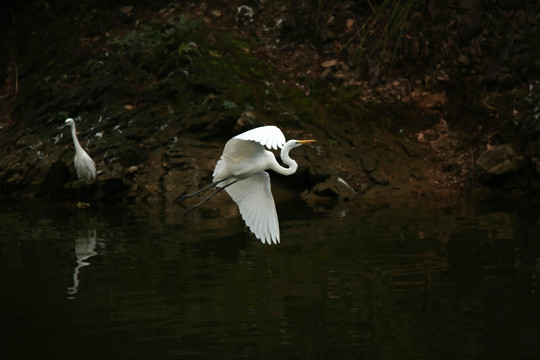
[256, 205]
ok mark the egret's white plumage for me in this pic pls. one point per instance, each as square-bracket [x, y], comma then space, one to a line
[269, 136]
[84, 165]
[241, 172]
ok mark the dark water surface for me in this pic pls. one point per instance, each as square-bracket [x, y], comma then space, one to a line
[416, 281]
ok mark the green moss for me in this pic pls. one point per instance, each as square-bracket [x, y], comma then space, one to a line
[237, 43]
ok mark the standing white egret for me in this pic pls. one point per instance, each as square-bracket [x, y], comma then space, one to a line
[241, 172]
[84, 165]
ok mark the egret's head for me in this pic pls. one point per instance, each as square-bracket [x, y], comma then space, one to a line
[69, 122]
[291, 144]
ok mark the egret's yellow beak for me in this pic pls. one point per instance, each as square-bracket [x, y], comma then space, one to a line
[305, 141]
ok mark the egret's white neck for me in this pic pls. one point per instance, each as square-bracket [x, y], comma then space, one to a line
[292, 165]
[74, 135]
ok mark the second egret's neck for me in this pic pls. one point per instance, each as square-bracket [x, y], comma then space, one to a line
[292, 165]
[74, 135]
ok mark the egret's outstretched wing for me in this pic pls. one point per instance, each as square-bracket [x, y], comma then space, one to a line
[269, 136]
[256, 203]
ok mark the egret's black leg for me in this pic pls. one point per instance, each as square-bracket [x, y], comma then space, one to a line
[217, 191]
[81, 204]
[186, 196]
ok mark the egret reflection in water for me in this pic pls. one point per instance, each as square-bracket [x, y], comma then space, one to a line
[85, 248]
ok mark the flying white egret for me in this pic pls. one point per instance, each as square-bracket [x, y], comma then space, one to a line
[84, 165]
[241, 172]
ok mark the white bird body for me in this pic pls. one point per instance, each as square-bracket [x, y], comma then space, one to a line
[241, 172]
[84, 165]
